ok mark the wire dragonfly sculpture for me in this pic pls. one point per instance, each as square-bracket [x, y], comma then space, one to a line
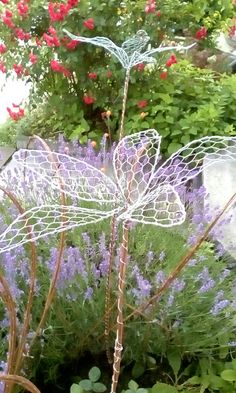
[131, 52]
[140, 190]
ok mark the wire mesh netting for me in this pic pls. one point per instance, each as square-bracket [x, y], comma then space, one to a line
[139, 188]
[130, 53]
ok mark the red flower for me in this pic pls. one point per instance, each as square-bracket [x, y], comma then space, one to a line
[158, 14]
[202, 33]
[172, 60]
[3, 67]
[52, 41]
[150, 7]
[3, 48]
[142, 104]
[164, 75]
[16, 115]
[22, 35]
[72, 44]
[109, 74]
[55, 66]
[6, 18]
[22, 8]
[89, 23]
[18, 68]
[8, 13]
[52, 31]
[140, 67]
[4, 1]
[72, 3]
[58, 11]
[33, 58]
[88, 100]
[92, 75]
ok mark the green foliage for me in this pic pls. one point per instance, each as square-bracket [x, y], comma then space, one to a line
[134, 388]
[7, 133]
[189, 104]
[91, 384]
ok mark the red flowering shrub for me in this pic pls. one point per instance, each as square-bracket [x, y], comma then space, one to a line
[77, 82]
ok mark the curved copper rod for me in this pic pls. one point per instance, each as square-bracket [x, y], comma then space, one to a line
[6, 295]
[25, 383]
[24, 332]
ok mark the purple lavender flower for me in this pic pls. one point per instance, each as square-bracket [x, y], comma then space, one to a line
[219, 306]
[3, 369]
[192, 262]
[160, 278]
[162, 256]
[150, 257]
[171, 299]
[88, 293]
[144, 286]
[207, 282]
[178, 285]
[105, 255]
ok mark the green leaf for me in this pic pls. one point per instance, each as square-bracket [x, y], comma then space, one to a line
[166, 98]
[142, 390]
[185, 139]
[86, 384]
[138, 368]
[99, 387]
[216, 382]
[94, 374]
[195, 380]
[76, 132]
[174, 360]
[228, 375]
[75, 388]
[173, 147]
[234, 364]
[163, 388]
[133, 385]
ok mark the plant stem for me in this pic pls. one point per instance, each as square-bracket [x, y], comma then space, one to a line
[108, 289]
[124, 102]
[120, 304]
